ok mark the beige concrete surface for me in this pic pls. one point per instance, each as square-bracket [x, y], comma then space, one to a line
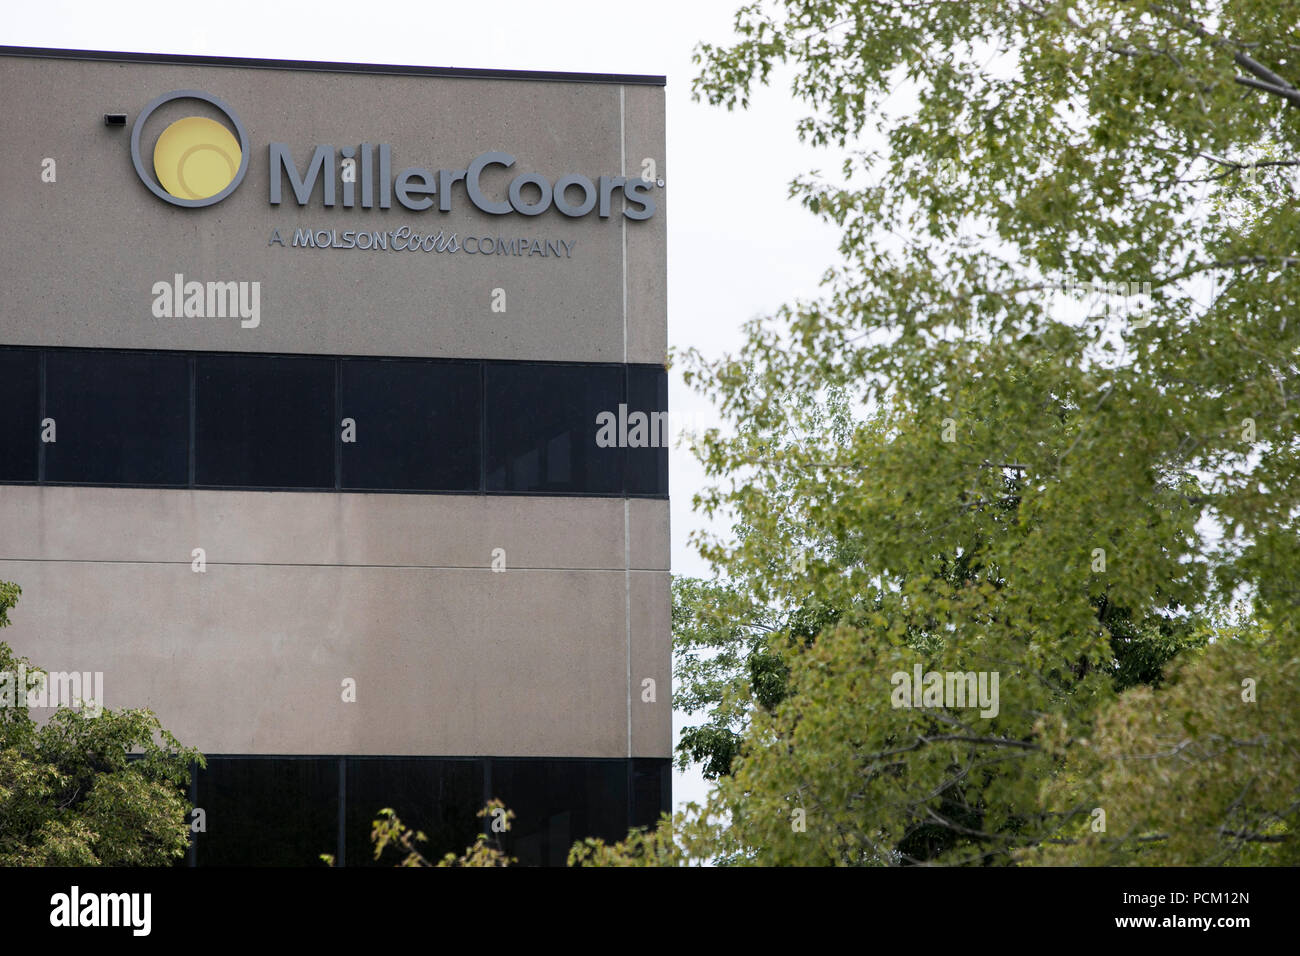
[252, 658]
[64, 523]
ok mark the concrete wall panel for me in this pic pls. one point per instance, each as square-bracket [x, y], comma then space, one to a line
[251, 659]
[62, 523]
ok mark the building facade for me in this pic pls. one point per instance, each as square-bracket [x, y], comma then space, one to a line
[333, 430]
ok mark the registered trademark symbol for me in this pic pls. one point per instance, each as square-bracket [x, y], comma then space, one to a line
[661, 183]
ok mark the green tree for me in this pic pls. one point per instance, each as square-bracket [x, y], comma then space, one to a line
[1191, 773]
[81, 790]
[724, 660]
[1052, 473]
[388, 830]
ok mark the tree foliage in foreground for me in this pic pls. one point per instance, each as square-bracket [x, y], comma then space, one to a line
[389, 831]
[1067, 484]
[71, 796]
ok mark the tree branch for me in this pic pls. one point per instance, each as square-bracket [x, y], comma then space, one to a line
[1287, 92]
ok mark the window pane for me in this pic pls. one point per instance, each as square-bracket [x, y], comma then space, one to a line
[541, 427]
[652, 780]
[264, 421]
[269, 811]
[437, 797]
[647, 453]
[120, 417]
[417, 425]
[19, 413]
[558, 802]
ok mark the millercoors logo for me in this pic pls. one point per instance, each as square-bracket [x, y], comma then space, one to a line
[199, 161]
[419, 188]
[196, 160]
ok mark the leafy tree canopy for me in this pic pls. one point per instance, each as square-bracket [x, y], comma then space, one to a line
[83, 790]
[1041, 424]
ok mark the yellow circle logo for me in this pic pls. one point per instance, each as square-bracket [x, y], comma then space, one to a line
[197, 161]
[196, 158]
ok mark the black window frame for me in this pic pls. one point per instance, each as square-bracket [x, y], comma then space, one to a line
[592, 797]
[323, 367]
[346, 409]
[34, 456]
[655, 489]
[50, 409]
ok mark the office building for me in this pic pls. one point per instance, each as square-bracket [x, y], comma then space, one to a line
[332, 429]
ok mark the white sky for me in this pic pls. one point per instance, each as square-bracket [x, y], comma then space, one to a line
[737, 247]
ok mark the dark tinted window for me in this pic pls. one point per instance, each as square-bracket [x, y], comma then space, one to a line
[647, 452]
[269, 811]
[417, 425]
[441, 798]
[541, 427]
[558, 802]
[285, 810]
[266, 422]
[651, 790]
[120, 418]
[270, 422]
[19, 413]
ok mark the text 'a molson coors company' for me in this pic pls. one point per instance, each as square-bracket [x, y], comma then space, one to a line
[362, 177]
